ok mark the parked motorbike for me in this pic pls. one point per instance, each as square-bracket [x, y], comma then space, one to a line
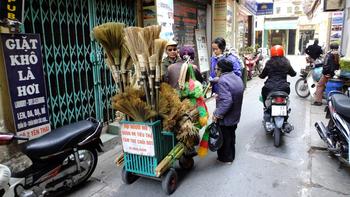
[252, 64]
[61, 159]
[276, 115]
[309, 77]
[336, 133]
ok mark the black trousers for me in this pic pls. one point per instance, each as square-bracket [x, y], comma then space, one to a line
[227, 151]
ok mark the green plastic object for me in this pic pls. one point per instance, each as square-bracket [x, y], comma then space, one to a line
[146, 165]
[345, 63]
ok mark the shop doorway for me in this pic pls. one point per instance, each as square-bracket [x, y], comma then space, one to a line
[305, 36]
[291, 42]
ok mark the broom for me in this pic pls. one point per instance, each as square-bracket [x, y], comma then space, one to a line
[110, 36]
[203, 146]
[159, 47]
[123, 64]
[133, 45]
[147, 36]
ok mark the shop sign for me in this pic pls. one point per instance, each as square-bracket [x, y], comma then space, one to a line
[165, 18]
[337, 26]
[202, 50]
[333, 5]
[24, 69]
[12, 10]
[137, 139]
[259, 8]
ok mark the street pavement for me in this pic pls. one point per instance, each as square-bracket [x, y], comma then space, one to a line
[300, 167]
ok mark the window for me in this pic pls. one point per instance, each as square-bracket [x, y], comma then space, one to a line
[289, 10]
[278, 10]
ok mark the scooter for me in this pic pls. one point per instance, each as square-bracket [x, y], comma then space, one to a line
[309, 77]
[62, 159]
[250, 62]
[336, 133]
[276, 115]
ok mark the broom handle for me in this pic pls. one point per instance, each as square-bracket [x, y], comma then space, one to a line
[112, 68]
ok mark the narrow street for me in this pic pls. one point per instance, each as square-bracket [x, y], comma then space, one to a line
[259, 169]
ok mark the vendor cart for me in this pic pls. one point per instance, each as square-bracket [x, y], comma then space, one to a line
[145, 145]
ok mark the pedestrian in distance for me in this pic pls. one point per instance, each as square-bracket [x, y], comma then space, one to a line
[218, 47]
[314, 51]
[228, 107]
[276, 70]
[331, 64]
[171, 58]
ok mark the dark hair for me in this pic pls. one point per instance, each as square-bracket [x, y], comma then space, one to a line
[316, 42]
[278, 63]
[221, 43]
[225, 65]
[187, 50]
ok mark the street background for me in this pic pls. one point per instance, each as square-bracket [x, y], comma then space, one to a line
[300, 167]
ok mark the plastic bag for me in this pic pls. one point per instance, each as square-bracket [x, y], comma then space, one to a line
[215, 137]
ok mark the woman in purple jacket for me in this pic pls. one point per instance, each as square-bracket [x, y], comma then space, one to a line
[218, 47]
[228, 108]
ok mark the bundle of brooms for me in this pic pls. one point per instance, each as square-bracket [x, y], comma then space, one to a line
[146, 99]
[110, 36]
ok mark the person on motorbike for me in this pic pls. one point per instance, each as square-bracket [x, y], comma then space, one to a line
[314, 51]
[218, 47]
[331, 64]
[276, 69]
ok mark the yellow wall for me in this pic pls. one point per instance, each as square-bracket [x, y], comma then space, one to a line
[5, 104]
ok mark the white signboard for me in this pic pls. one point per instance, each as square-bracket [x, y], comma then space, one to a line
[137, 139]
[203, 57]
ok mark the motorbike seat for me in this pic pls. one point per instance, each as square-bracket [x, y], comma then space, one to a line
[341, 104]
[277, 94]
[59, 139]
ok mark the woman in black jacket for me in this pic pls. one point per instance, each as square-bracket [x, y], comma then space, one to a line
[276, 69]
[331, 63]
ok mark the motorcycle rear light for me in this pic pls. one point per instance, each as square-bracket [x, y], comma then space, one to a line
[279, 100]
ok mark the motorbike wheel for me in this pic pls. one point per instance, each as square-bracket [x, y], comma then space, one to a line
[88, 161]
[301, 88]
[277, 137]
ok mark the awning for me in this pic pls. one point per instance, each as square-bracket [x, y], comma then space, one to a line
[259, 7]
[284, 24]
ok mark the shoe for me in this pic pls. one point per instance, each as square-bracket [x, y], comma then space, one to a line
[224, 162]
[317, 103]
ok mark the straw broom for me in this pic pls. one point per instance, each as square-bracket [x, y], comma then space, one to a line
[136, 50]
[110, 36]
[147, 36]
[159, 47]
[123, 64]
[133, 45]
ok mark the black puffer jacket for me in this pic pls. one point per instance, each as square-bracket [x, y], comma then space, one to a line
[331, 63]
[277, 69]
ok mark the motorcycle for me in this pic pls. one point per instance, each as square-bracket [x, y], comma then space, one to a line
[309, 77]
[253, 65]
[276, 115]
[62, 159]
[336, 133]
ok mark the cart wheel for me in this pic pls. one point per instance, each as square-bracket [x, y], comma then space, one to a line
[169, 181]
[186, 163]
[128, 177]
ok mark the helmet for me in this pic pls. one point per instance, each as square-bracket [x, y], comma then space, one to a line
[277, 51]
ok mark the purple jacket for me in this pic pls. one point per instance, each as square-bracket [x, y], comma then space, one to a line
[235, 64]
[229, 100]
